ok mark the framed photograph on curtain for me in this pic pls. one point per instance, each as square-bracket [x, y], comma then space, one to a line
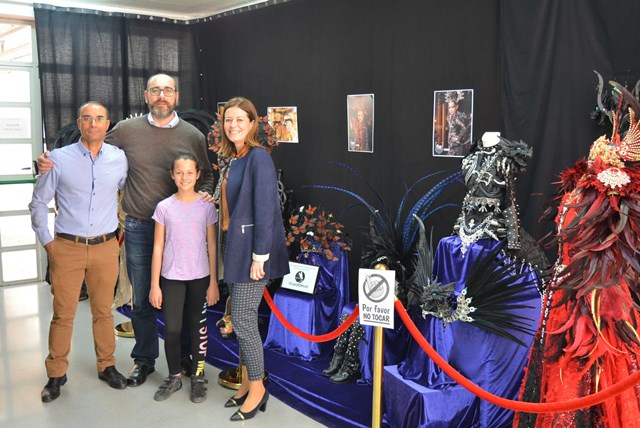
[360, 120]
[220, 108]
[452, 122]
[284, 120]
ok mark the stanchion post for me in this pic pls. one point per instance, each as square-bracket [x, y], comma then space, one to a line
[378, 363]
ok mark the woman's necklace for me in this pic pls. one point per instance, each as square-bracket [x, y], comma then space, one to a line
[243, 151]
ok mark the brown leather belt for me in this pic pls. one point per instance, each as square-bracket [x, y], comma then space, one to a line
[87, 241]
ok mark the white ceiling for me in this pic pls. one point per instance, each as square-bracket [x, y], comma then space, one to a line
[175, 9]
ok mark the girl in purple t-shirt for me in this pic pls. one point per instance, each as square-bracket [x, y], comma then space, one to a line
[183, 268]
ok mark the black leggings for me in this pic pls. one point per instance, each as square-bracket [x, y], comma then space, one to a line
[174, 294]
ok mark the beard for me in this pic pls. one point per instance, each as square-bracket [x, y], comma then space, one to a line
[161, 111]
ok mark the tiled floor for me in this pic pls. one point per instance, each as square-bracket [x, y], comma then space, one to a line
[85, 401]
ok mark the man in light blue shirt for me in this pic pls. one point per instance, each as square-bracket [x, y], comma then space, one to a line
[85, 179]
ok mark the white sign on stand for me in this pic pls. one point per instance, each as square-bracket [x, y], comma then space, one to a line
[376, 297]
[301, 277]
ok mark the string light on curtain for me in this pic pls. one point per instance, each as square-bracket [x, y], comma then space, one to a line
[152, 17]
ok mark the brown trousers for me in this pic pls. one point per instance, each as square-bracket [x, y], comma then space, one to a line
[70, 263]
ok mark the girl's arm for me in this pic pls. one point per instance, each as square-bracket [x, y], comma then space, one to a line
[155, 295]
[213, 294]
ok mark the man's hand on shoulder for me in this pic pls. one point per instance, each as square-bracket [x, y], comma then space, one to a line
[44, 164]
[205, 196]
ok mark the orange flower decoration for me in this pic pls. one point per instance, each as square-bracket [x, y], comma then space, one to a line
[312, 229]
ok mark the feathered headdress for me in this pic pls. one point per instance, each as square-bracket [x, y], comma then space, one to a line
[616, 151]
[623, 146]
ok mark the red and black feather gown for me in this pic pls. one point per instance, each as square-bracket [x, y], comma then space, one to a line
[588, 337]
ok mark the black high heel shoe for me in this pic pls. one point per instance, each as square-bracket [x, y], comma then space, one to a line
[262, 406]
[235, 402]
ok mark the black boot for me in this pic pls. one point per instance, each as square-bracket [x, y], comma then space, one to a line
[350, 369]
[338, 350]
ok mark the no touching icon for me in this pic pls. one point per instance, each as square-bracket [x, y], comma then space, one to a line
[376, 288]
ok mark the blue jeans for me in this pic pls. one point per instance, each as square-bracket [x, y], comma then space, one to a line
[138, 241]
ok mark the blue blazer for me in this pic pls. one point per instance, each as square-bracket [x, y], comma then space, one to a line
[255, 220]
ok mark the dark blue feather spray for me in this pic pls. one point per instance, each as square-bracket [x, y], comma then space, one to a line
[393, 237]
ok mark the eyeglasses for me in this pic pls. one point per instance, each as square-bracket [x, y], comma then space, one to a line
[89, 119]
[168, 92]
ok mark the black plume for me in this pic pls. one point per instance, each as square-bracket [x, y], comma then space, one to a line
[493, 285]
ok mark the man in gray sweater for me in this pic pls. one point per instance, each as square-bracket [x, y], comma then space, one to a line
[151, 143]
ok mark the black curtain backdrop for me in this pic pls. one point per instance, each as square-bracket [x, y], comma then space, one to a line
[550, 49]
[107, 57]
[529, 62]
[312, 54]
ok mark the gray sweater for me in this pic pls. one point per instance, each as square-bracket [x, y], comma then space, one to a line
[150, 151]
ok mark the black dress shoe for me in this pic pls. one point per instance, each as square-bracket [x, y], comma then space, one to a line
[113, 378]
[235, 402]
[51, 390]
[239, 415]
[138, 374]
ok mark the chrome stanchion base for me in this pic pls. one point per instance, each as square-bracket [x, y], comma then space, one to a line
[124, 329]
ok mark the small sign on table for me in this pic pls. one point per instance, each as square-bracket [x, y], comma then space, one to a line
[301, 277]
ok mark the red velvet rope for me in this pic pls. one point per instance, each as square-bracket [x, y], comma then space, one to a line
[520, 406]
[320, 338]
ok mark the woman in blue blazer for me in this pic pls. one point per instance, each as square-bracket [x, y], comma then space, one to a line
[255, 250]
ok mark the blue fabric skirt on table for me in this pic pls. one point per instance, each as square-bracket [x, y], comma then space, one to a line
[314, 314]
[492, 362]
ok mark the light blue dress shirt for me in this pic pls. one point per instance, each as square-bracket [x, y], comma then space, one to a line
[86, 189]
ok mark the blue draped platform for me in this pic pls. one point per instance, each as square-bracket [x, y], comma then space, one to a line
[409, 404]
[491, 361]
[314, 314]
[319, 314]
